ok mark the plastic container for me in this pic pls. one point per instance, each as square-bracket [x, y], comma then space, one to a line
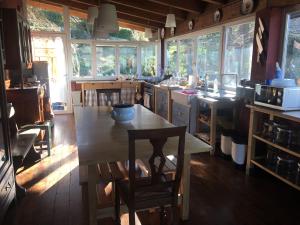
[226, 143]
[239, 150]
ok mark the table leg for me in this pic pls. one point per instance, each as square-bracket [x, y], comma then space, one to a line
[185, 188]
[92, 198]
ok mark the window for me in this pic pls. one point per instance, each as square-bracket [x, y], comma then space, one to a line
[81, 59]
[45, 20]
[148, 60]
[171, 62]
[291, 53]
[185, 57]
[106, 61]
[127, 60]
[208, 54]
[80, 29]
[238, 52]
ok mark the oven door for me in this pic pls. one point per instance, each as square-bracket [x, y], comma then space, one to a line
[148, 100]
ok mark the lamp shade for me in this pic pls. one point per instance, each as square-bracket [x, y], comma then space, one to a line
[92, 14]
[107, 21]
[170, 21]
[148, 33]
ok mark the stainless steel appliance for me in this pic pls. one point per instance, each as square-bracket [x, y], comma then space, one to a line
[149, 96]
[281, 98]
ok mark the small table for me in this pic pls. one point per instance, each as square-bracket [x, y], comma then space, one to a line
[100, 139]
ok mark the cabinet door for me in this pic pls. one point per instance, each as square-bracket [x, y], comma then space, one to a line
[162, 103]
[181, 115]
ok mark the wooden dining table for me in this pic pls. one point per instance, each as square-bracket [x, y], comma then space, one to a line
[100, 139]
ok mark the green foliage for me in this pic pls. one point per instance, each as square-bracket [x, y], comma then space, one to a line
[125, 34]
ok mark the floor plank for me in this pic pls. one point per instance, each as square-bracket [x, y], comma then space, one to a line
[220, 194]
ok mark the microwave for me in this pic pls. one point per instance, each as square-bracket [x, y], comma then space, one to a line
[281, 98]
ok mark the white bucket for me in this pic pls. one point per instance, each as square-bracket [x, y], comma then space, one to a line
[226, 144]
[238, 153]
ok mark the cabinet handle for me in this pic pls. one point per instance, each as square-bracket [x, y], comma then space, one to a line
[8, 186]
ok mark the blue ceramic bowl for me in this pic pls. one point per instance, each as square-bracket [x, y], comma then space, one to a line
[123, 112]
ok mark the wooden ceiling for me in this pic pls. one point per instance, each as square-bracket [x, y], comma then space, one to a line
[145, 13]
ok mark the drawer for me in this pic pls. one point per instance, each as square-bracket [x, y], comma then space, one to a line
[130, 84]
[102, 85]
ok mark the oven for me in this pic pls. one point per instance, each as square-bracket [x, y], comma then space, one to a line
[149, 96]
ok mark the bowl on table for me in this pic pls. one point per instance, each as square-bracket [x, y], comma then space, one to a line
[123, 112]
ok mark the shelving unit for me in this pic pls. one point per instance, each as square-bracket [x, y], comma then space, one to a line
[252, 160]
[213, 105]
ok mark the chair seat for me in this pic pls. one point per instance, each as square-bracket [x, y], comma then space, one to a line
[159, 195]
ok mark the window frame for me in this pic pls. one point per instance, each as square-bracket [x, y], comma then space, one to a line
[283, 50]
[194, 36]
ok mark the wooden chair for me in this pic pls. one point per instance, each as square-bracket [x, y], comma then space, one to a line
[157, 190]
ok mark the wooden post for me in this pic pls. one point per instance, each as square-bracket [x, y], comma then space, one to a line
[185, 188]
[251, 140]
[92, 195]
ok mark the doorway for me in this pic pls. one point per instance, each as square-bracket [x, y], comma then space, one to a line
[51, 48]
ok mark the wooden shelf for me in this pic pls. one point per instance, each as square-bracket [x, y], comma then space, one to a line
[261, 164]
[291, 152]
[289, 115]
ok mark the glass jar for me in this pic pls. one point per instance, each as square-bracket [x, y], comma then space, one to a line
[286, 165]
[271, 159]
[283, 136]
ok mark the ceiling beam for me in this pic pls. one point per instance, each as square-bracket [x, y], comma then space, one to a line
[137, 21]
[191, 6]
[215, 2]
[150, 7]
[140, 14]
[123, 16]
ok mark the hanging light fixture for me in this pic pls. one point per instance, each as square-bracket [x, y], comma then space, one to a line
[170, 21]
[99, 34]
[148, 33]
[107, 21]
[92, 14]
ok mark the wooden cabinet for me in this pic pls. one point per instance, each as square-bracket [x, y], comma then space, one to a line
[7, 180]
[28, 104]
[181, 115]
[162, 103]
[17, 45]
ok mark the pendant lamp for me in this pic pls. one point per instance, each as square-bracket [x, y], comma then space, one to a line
[92, 14]
[170, 21]
[99, 34]
[107, 21]
[148, 33]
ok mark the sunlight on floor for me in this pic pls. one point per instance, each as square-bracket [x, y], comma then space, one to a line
[50, 170]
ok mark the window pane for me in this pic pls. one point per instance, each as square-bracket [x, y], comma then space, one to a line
[80, 29]
[171, 57]
[148, 60]
[208, 54]
[106, 61]
[127, 59]
[238, 51]
[292, 47]
[185, 57]
[45, 20]
[81, 60]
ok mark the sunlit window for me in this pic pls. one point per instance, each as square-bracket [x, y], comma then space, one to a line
[238, 51]
[209, 54]
[127, 60]
[171, 61]
[81, 60]
[41, 19]
[106, 61]
[148, 60]
[80, 29]
[291, 53]
[185, 57]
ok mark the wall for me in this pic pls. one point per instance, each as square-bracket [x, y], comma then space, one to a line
[231, 12]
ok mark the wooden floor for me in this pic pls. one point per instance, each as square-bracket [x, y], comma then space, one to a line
[220, 194]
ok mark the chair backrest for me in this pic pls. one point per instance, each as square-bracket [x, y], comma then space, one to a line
[158, 138]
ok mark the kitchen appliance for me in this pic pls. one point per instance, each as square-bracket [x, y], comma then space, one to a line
[149, 96]
[281, 98]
